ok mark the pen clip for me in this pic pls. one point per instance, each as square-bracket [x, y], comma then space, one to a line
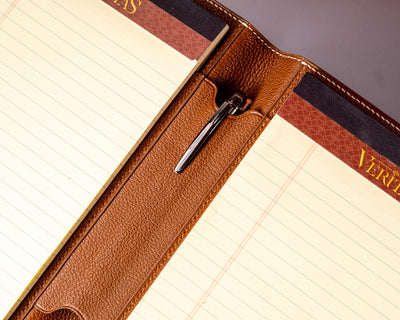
[233, 106]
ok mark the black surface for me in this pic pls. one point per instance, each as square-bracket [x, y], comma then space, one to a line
[350, 117]
[194, 16]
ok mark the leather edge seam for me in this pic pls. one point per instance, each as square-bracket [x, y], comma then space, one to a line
[375, 112]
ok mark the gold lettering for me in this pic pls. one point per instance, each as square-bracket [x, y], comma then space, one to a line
[394, 175]
[130, 6]
[387, 175]
[380, 171]
[390, 182]
[363, 152]
[397, 190]
[370, 169]
[133, 6]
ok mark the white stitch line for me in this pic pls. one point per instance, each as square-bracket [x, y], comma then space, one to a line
[305, 64]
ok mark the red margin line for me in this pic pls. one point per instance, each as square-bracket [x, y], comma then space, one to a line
[253, 230]
[9, 10]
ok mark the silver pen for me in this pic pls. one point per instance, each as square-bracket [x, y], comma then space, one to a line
[233, 106]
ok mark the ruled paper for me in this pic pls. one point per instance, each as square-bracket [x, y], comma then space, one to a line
[79, 86]
[294, 234]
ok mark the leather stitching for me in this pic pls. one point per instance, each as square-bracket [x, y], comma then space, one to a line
[304, 62]
[231, 167]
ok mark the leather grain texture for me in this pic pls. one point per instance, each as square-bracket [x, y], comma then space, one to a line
[146, 213]
[63, 314]
[255, 70]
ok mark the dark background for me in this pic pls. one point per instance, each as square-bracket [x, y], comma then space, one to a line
[357, 41]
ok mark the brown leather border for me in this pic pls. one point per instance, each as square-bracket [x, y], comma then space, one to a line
[307, 66]
[239, 26]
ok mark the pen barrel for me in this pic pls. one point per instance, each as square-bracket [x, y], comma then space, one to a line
[203, 137]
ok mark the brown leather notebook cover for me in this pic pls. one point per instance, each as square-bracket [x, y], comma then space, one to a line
[145, 214]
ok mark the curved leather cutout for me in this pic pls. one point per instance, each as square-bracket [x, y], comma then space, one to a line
[62, 314]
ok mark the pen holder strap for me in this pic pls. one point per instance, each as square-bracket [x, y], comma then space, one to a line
[145, 214]
[150, 214]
